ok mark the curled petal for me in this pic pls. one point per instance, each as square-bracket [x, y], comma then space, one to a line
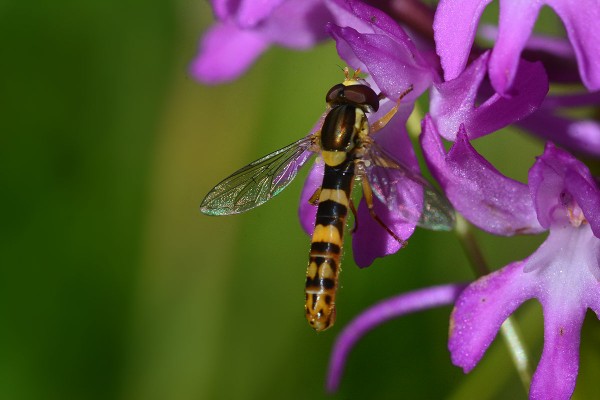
[454, 103]
[587, 196]
[380, 313]
[480, 311]
[307, 212]
[226, 52]
[552, 192]
[487, 198]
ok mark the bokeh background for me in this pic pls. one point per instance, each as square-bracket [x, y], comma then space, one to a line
[114, 286]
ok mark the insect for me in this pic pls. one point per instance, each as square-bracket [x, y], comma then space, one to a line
[349, 153]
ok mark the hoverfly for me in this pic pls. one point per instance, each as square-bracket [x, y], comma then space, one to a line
[349, 153]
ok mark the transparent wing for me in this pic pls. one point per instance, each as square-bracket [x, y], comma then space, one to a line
[259, 181]
[405, 192]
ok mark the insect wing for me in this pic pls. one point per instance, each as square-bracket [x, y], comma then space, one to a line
[405, 192]
[258, 181]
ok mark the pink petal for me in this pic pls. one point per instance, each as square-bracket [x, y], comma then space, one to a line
[297, 24]
[581, 23]
[587, 195]
[454, 103]
[480, 311]
[226, 52]
[554, 123]
[455, 26]
[380, 313]
[515, 25]
[557, 370]
[477, 190]
[547, 184]
[251, 12]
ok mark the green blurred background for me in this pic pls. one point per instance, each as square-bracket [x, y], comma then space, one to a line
[114, 286]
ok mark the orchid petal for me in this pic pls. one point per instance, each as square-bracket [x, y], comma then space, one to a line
[581, 23]
[547, 184]
[297, 24]
[480, 311]
[380, 313]
[224, 9]
[551, 123]
[556, 373]
[516, 21]
[453, 102]
[587, 196]
[455, 26]
[251, 12]
[226, 52]
[477, 190]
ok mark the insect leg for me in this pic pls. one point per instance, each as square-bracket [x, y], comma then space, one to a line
[314, 199]
[368, 194]
[355, 214]
[377, 125]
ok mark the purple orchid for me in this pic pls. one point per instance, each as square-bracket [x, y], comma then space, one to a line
[245, 29]
[378, 46]
[562, 274]
[455, 27]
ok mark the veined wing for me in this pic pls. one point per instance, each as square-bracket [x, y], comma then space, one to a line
[258, 181]
[405, 192]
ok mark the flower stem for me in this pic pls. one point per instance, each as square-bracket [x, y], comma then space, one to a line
[510, 330]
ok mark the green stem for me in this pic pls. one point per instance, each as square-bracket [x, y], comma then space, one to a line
[509, 330]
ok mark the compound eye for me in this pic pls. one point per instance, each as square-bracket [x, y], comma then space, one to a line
[362, 95]
[335, 94]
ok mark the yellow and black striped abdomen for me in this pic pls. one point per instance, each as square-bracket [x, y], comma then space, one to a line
[326, 246]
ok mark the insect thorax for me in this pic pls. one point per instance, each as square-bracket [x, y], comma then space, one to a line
[343, 128]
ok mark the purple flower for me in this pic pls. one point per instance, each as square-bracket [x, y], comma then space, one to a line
[562, 197]
[455, 26]
[378, 46]
[244, 29]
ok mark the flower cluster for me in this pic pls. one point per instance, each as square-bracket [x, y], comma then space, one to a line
[473, 92]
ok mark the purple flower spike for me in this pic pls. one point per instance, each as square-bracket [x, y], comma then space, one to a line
[454, 102]
[380, 313]
[563, 274]
[475, 188]
[245, 29]
[455, 27]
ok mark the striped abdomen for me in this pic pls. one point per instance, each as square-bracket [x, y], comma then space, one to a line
[326, 246]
